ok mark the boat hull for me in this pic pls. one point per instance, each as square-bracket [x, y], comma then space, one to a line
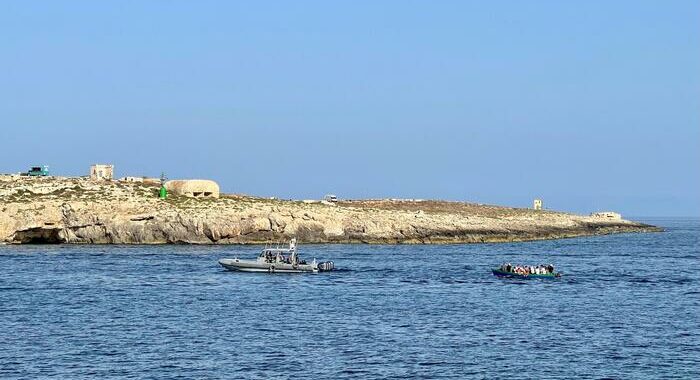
[238, 265]
[500, 273]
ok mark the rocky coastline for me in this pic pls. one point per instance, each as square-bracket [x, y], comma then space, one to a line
[80, 211]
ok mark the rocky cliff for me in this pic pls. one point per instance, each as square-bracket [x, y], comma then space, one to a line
[73, 210]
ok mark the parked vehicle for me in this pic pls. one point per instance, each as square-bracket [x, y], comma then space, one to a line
[38, 171]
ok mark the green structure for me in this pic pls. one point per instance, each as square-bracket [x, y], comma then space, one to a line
[163, 193]
[38, 171]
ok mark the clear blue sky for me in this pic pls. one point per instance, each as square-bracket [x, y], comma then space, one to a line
[591, 105]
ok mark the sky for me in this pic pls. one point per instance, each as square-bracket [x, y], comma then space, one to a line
[589, 105]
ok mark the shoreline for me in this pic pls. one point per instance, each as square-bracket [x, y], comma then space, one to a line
[651, 229]
[80, 211]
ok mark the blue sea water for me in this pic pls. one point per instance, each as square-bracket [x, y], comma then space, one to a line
[626, 307]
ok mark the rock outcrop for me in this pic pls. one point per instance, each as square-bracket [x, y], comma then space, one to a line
[72, 210]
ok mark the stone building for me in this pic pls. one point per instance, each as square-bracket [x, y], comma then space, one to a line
[606, 215]
[102, 172]
[195, 188]
[131, 179]
[537, 204]
[151, 180]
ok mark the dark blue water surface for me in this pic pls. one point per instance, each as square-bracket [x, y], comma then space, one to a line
[627, 307]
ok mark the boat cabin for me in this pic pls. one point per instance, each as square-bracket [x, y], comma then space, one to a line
[281, 255]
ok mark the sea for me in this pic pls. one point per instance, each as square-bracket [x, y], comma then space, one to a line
[626, 307]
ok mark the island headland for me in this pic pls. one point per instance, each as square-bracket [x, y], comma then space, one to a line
[81, 210]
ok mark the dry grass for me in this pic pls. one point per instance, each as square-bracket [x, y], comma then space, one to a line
[439, 207]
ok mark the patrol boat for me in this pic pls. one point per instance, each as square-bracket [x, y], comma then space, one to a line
[277, 260]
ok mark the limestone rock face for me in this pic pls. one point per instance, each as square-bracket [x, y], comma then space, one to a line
[69, 210]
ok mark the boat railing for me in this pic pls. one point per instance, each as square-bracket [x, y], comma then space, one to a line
[278, 245]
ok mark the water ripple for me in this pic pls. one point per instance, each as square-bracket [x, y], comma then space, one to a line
[626, 307]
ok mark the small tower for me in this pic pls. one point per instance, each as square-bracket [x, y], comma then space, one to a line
[163, 192]
[102, 172]
[537, 204]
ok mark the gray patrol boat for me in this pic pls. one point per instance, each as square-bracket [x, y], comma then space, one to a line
[277, 260]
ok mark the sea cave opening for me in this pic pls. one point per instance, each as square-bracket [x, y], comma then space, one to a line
[38, 235]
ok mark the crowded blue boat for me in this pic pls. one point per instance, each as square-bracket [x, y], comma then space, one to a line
[544, 271]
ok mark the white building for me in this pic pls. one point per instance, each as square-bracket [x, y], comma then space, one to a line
[102, 172]
[606, 215]
[131, 179]
[537, 204]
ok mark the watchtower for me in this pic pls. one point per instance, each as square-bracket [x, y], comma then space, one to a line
[99, 171]
[537, 204]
